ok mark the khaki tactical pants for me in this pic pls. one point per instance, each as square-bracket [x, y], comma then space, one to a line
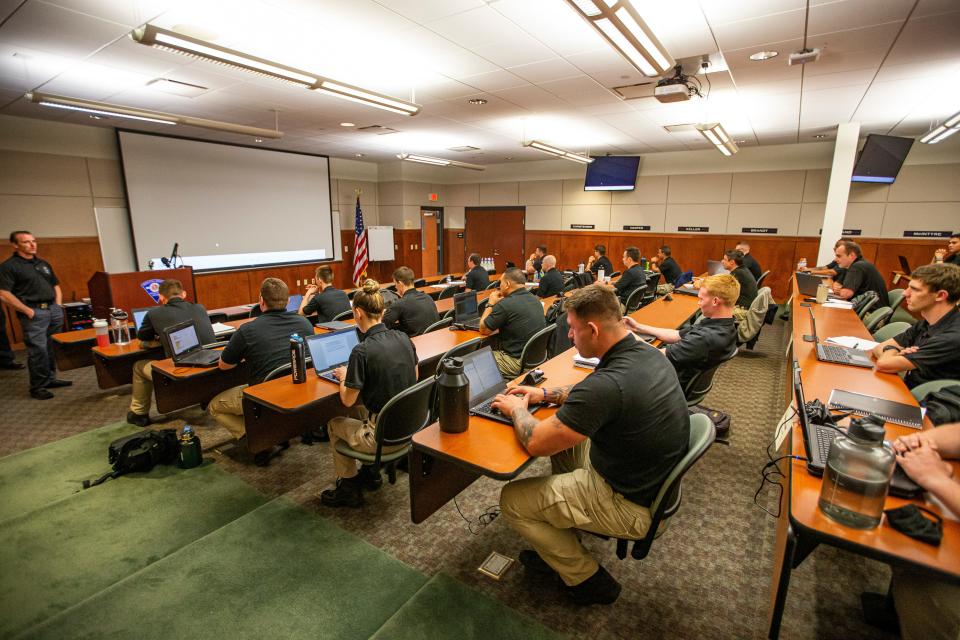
[358, 429]
[929, 609]
[227, 409]
[142, 393]
[508, 365]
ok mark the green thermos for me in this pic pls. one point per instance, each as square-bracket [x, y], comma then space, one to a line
[191, 454]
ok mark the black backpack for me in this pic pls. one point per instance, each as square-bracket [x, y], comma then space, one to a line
[139, 452]
[943, 406]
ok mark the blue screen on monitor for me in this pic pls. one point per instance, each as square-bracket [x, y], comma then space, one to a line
[612, 173]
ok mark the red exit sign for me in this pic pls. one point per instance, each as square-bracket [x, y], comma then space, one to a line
[433, 197]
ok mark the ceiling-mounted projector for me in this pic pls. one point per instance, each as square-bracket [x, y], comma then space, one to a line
[803, 56]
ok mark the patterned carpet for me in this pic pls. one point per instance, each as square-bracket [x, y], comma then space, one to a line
[707, 576]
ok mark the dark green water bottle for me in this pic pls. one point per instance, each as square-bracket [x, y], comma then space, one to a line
[191, 454]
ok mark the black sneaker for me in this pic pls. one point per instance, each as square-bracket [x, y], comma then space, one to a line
[12, 366]
[56, 382]
[369, 480]
[600, 588]
[879, 611]
[346, 494]
[532, 561]
[137, 419]
[40, 394]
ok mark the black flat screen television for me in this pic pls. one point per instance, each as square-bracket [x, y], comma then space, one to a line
[881, 158]
[612, 173]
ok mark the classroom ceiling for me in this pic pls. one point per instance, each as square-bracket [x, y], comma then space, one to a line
[544, 72]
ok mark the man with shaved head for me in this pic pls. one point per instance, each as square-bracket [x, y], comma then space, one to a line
[551, 284]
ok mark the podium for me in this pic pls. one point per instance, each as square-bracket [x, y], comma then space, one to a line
[132, 290]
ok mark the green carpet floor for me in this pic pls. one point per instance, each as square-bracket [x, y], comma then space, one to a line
[174, 553]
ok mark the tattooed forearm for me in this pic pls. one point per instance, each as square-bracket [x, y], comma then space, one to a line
[558, 395]
[523, 424]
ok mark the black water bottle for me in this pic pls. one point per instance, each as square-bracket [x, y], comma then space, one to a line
[453, 396]
[298, 359]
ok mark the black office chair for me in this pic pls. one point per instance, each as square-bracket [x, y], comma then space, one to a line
[217, 317]
[419, 282]
[462, 349]
[650, 293]
[667, 502]
[697, 388]
[560, 338]
[634, 299]
[482, 305]
[614, 274]
[448, 292]
[763, 276]
[445, 321]
[864, 302]
[344, 315]
[404, 415]
[534, 352]
[493, 285]
[254, 311]
[571, 285]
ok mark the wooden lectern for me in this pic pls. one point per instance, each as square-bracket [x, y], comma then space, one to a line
[130, 290]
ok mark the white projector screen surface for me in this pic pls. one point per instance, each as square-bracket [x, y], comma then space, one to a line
[226, 206]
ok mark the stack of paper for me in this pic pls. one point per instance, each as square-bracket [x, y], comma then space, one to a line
[838, 304]
[452, 283]
[585, 363]
[853, 343]
[219, 328]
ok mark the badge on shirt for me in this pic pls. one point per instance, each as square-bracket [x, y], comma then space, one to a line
[152, 287]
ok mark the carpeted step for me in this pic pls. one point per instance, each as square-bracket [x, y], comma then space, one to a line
[36, 477]
[447, 609]
[277, 572]
[60, 554]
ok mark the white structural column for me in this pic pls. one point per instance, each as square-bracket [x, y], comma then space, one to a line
[838, 191]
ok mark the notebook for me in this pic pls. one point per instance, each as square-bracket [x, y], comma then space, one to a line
[331, 350]
[485, 383]
[183, 344]
[863, 405]
[465, 312]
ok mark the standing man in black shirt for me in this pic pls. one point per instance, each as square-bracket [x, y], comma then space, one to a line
[633, 276]
[930, 349]
[29, 285]
[264, 344]
[174, 309]
[666, 265]
[861, 276]
[380, 367]
[708, 343]
[535, 261]
[477, 278]
[950, 255]
[614, 440]
[323, 298]
[414, 311]
[748, 260]
[517, 314]
[551, 284]
[599, 260]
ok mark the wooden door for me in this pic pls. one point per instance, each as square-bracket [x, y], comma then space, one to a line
[496, 232]
[430, 221]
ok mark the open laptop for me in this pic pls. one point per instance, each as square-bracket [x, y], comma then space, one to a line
[331, 350]
[835, 353]
[466, 315]
[485, 383]
[816, 437]
[807, 284]
[293, 302]
[182, 343]
[715, 267]
[904, 265]
[139, 315]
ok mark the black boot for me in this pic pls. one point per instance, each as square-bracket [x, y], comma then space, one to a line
[137, 419]
[346, 494]
[533, 563]
[600, 588]
[318, 434]
[369, 479]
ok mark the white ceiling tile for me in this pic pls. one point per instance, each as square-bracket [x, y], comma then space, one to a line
[838, 80]
[553, 23]
[545, 70]
[494, 81]
[512, 51]
[927, 39]
[855, 14]
[58, 31]
[740, 58]
[531, 97]
[721, 11]
[27, 69]
[828, 107]
[131, 13]
[125, 53]
[755, 32]
[935, 7]
[426, 10]
[475, 27]
[580, 90]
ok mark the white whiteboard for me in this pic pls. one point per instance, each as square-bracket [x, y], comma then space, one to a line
[116, 242]
[380, 243]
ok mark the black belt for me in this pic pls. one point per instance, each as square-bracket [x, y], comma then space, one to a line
[39, 305]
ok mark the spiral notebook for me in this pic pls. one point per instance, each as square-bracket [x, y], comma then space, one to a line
[896, 412]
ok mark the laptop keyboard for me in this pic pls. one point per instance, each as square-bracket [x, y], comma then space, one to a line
[824, 437]
[835, 353]
[485, 407]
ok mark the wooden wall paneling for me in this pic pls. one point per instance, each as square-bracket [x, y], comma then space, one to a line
[454, 251]
[216, 290]
[531, 239]
[691, 251]
[617, 243]
[74, 260]
[577, 247]
[774, 253]
[917, 253]
[806, 248]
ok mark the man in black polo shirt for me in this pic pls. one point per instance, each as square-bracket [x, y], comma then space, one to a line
[708, 343]
[612, 443]
[29, 285]
[599, 260]
[535, 261]
[666, 265]
[263, 344]
[174, 309]
[551, 284]
[477, 278]
[323, 298]
[748, 260]
[930, 349]
[733, 262]
[517, 314]
[831, 269]
[950, 255]
[633, 276]
[861, 276]
[414, 311]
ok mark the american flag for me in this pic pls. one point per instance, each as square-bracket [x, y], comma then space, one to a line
[360, 261]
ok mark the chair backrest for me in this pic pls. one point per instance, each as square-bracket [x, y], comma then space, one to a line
[493, 285]
[702, 435]
[763, 276]
[633, 300]
[922, 390]
[254, 311]
[535, 351]
[612, 275]
[217, 317]
[560, 339]
[344, 315]
[447, 292]
[404, 415]
[463, 348]
[445, 321]
[875, 319]
[279, 371]
[896, 298]
[650, 294]
[864, 302]
[697, 388]
[482, 305]
[890, 330]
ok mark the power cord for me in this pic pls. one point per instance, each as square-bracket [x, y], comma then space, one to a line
[770, 471]
[484, 519]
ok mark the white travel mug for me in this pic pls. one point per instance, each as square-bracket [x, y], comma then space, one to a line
[822, 293]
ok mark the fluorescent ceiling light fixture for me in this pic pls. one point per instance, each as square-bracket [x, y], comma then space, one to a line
[944, 131]
[556, 151]
[621, 25]
[439, 162]
[153, 36]
[143, 115]
[718, 137]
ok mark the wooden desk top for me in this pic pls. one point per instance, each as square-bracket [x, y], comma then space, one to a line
[819, 379]
[491, 448]
[90, 335]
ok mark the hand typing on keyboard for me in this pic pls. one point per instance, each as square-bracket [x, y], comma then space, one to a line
[516, 398]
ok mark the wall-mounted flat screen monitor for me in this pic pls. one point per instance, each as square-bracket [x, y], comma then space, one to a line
[612, 173]
[881, 158]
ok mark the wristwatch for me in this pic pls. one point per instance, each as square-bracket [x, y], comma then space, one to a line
[889, 347]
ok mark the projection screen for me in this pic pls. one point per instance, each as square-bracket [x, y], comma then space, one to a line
[226, 206]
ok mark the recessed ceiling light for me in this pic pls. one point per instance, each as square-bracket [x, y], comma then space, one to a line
[820, 136]
[477, 101]
[358, 155]
[347, 124]
[258, 139]
[94, 117]
[764, 55]
[509, 158]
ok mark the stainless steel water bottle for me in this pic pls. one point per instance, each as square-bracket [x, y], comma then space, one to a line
[453, 396]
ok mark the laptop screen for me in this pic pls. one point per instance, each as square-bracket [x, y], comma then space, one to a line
[329, 350]
[801, 408]
[813, 326]
[904, 264]
[293, 302]
[138, 316]
[465, 306]
[715, 267]
[481, 370]
[183, 340]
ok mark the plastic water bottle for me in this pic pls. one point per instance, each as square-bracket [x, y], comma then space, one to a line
[580, 268]
[600, 275]
[118, 325]
[802, 264]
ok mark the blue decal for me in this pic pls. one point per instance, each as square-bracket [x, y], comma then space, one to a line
[152, 287]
